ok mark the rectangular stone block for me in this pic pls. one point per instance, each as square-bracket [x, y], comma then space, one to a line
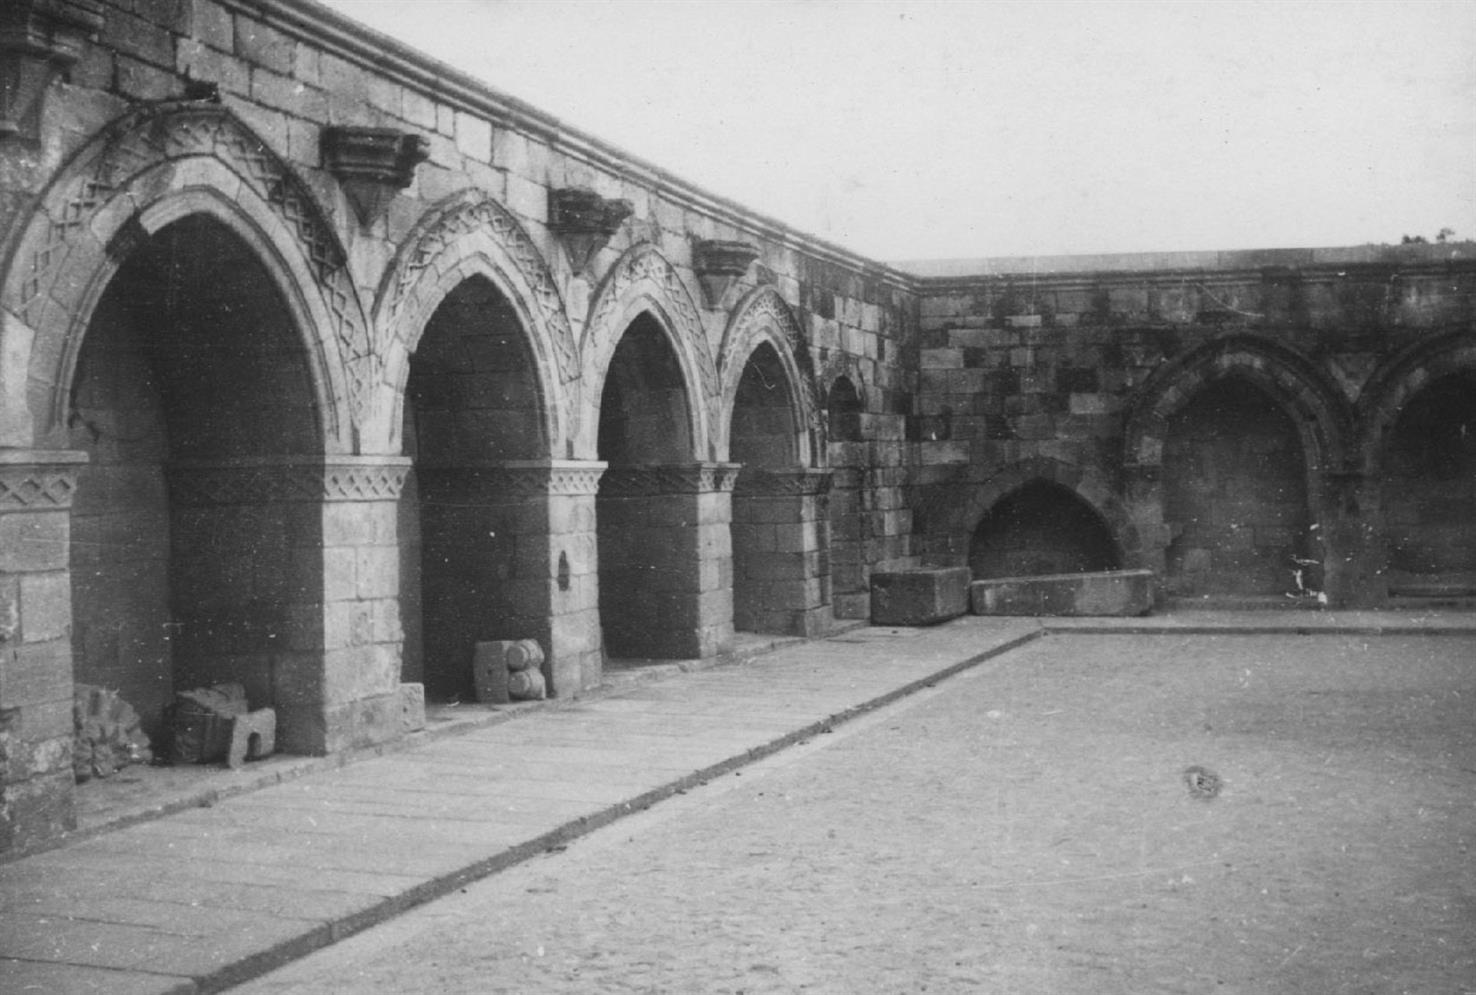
[921, 596]
[1113, 592]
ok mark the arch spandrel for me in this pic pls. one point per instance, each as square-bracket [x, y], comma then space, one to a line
[764, 317]
[470, 235]
[148, 168]
[1316, 406]
[643, 281]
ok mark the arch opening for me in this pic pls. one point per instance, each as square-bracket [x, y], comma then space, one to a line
[191, 390]
[472, 406]
[647, 530]
[1429, 489]
[1235, 495]
[775, 545]
[1041, 528]
[850, 521]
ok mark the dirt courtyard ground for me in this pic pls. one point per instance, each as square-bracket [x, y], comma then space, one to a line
[1026, 827]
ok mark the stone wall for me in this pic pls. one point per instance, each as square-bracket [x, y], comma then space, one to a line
[411, 459]
[1228, 418]
[320, 361]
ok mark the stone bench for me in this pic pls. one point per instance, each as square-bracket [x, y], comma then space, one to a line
[1111, 592]
[922, 596]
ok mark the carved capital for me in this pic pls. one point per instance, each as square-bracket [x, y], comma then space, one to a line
[39, 40]
[514, 481]
[679, 478]
[271, 481]
[38, 480]
[788, 482]
[719, 264]
[585, 222]
[372, 164]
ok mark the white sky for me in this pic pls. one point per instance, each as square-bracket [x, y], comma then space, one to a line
[953, 129]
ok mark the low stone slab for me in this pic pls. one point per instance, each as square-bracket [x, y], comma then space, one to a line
[923, 596]
[1111, 592]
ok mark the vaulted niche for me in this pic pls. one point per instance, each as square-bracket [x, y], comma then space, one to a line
[768, 539]
[1041, 528]
[849, 515]
[648, 553]
[1429, 490]
[1235, 494]
[472, 406]
[190, 565]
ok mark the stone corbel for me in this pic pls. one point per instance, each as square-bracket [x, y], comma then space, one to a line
[585, 222]
[719, 265]
[372, 164]
[39, 41]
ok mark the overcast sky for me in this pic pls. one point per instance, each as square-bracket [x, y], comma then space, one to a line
[907, 130]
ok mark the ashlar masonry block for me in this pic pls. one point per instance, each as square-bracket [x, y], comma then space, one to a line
[922, 596]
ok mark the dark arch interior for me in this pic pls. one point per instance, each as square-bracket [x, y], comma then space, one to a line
[850, 521]
[763, 432]
[643, 412]
[191, 356]
[472, 403]
[645, 542]
[767, 572]
[1429, 488]
[1041, 528]
[1235, 495]
[843, 407]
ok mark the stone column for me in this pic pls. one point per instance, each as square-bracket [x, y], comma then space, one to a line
[510, 554]
[1145, 546]
[666, 578]
[575, 647]
[287, 581]
[1354, 555]
[36, 781]
[781, 551]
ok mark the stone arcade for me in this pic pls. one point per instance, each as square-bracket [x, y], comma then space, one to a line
[321, 362]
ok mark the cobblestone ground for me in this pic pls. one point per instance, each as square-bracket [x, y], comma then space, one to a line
[1028, 828]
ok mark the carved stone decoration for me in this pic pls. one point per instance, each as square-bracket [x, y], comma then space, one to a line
[173, 132]
[309, 479]
[585, 222]
[436, 244]
[719, 265]
[39, 41]
[372, 164]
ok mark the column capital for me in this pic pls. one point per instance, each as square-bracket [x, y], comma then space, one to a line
[797, 481]
[262, 479]
[38, 479]
[670, 478]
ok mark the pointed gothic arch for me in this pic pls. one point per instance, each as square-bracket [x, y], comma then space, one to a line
[762, 318]
[467, 235]
[643, 282]
[1293, 381]
[147, 169]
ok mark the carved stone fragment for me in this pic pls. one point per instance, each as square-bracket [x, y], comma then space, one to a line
[508, 670]
[39, 41]
[585, 222]
[719, 264]
[372, 164]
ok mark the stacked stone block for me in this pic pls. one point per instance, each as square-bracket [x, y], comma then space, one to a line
[781, 561]
[665, 549]
[36, 490]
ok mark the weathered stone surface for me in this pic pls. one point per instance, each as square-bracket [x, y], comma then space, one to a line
[1115, 592]
[919, 597]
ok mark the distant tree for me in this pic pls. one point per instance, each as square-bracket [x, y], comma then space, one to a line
[1442, 236]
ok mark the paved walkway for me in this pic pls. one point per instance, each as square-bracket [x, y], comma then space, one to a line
[200, 899]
